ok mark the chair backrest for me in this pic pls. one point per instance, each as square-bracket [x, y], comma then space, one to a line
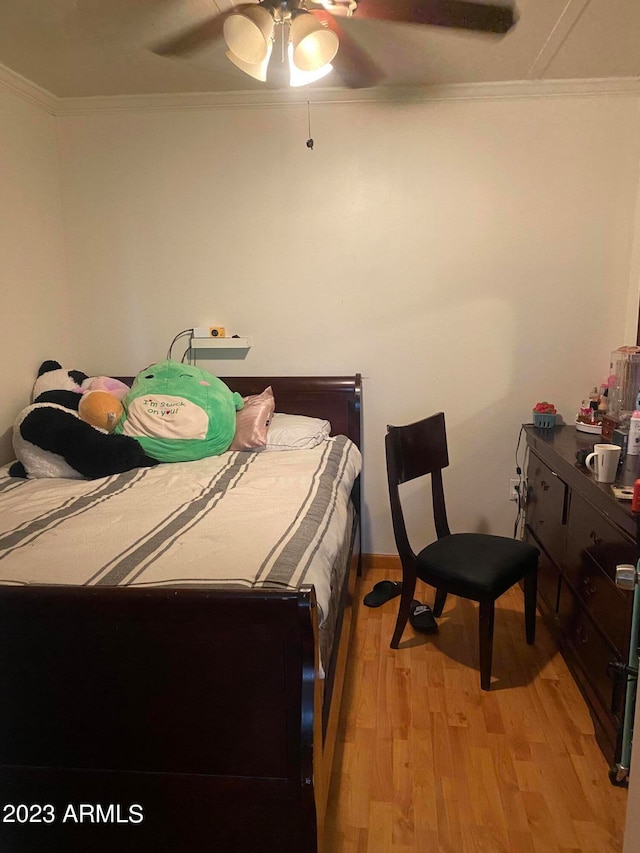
[413, 451]
[419, 448]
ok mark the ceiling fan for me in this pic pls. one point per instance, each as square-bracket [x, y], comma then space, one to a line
[316, 33]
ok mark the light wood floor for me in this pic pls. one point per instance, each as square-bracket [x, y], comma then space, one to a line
[426, 761]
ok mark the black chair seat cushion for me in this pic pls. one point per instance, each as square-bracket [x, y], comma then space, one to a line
[486, 563]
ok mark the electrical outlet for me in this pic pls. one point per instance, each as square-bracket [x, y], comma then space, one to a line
[514, 488]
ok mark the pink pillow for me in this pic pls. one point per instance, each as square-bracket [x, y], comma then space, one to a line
[252, 421]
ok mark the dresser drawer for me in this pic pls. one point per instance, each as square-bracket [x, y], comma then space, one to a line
[591, 650]
[594, 548]
[606, 604]
[546, 507]
[592, 533]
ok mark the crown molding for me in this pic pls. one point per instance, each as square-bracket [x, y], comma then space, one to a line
[381, 94]
[28, 91]
[264, 98]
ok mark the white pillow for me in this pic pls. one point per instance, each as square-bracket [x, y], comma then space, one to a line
[296, 432]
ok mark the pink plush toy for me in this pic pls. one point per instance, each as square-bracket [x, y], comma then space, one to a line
[105, 383]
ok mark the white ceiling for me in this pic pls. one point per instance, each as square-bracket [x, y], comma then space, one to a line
[82, 48]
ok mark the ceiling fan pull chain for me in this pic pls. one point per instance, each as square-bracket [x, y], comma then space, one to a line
[309, 140]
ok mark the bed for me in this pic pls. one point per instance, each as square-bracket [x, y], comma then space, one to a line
[152, 701]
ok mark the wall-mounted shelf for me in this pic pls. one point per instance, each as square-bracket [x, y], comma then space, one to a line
[220, 343]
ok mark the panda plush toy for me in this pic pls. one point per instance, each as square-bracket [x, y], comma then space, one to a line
[51, 440]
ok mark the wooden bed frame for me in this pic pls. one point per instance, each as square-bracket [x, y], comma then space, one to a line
[174, 720]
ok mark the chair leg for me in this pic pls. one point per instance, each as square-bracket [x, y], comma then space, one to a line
[438, 604]
[530, 596]
[487, 610]
[406, 597]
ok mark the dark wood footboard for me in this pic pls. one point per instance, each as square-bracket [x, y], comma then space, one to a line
[162, 720]
[156, 720]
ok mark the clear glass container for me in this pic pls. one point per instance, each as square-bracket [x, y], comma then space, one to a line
[624, 382]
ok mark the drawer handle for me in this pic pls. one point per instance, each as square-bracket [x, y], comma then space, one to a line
[597, 540]
[589, 588]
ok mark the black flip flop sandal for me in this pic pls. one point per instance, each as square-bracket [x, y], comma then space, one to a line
[382, 592]
[421, 618]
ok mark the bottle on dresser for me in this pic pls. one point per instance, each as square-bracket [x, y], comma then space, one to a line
[633, 441]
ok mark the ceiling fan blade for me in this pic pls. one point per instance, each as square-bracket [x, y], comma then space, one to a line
[462, 14]
[200, 35]
[354, 65]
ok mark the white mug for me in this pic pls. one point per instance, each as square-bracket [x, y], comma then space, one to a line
[603, 462]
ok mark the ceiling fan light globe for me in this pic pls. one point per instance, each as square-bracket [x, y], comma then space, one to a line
[257, 70]
[314, 46]
[248, 34]
[303, 78]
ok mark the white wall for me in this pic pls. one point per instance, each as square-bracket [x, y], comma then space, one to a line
[469, 256]
[33, 287]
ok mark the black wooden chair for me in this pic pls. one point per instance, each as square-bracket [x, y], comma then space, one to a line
[478, 566]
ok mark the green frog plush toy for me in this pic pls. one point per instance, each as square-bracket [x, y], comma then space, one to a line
[179, 412]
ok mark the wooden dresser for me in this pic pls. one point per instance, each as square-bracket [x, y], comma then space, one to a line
[583, 532]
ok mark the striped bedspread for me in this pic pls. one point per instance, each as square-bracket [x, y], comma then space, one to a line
[239, 519]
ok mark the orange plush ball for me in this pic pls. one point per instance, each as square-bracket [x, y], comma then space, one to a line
[100, 409]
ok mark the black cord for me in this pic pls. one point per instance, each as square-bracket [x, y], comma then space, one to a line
[179, 335]
[519, 488]
[184, 354]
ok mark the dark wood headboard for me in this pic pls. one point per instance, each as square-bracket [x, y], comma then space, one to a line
[336, 398]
